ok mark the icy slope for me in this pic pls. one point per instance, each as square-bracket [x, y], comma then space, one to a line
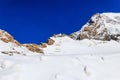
[104, 26]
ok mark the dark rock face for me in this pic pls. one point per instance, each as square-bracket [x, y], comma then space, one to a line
[115, 37]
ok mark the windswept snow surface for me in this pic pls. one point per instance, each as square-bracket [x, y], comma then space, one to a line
[67, 59]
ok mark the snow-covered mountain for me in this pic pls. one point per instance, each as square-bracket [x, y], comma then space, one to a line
[10, 46]
[93, 53]
[104, 26]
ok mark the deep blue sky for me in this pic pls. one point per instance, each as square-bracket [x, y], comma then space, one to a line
[33, 21]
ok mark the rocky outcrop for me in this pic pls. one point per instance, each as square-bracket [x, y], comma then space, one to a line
[50, 42]
[6, 37]
[100, 27]
[17, 43]
[33, 48]
[43, 45]
[10, 52]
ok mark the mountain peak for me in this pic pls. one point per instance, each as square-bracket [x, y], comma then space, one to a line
[101, 26]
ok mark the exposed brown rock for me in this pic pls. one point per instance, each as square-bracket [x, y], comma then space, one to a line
[43, 45]
[33, 48]
[50, 42]
[17, 43]
[94, 33]
[97, 29]
[1, 34]
[9, 37]
[91, 32]
[6, 37]
[83, 36]
[89, 28]
[4, 40]
[107, 37]
[10, 52]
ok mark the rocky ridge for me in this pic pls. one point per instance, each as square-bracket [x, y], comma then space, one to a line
[5, 37]
[104, 26]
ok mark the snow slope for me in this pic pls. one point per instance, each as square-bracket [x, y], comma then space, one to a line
[66, 45]
[80, 67]
[67, 59]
